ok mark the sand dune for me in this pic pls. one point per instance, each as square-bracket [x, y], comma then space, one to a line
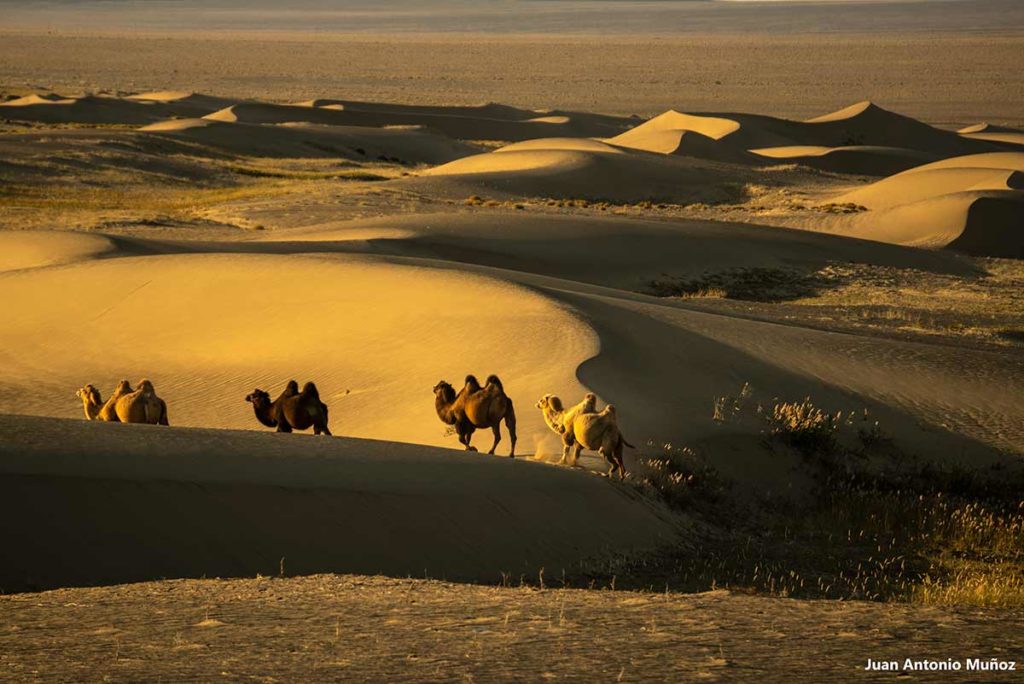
[557, 168]
[978, 222]
[926, 183]
[245, 501]
[868, 160]
[999, 134]
[492, 122]
[438, 319]
[409, 145]
[107, 109]
[608, 251]
[971, 203]
[374, 352]
[862, 138]
[36, 249]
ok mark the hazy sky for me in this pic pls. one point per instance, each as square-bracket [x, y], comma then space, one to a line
[513, 16]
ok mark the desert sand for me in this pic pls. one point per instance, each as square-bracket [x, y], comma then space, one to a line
[666, 238]
[372, 628]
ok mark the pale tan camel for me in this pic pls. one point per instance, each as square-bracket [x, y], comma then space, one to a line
[559, 419]
[598, 432]
[125, 405]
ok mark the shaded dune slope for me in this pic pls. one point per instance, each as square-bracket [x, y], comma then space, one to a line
[238, 504]
[407, 144]
[486, 124]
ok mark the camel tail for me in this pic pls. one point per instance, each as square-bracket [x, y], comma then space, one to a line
[623, 440]
[310, 390]
[494, 380]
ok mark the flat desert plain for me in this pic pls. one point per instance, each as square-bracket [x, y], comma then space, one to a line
[783, 240]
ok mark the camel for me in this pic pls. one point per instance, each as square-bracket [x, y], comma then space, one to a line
[559, 419]
[125, 405]
[292, 410]
[476, 407]
[109, 410]
[145, 402]
[92, 402]
[597, 432]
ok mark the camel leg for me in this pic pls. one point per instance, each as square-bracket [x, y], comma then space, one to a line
[577, 448]
[611, 460]
[567, 442]
[465, 437]
[283, 426]
[496, 429]
[510, 423]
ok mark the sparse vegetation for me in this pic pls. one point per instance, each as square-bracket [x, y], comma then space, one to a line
[842, 208]
[749, 284]
[880, 524]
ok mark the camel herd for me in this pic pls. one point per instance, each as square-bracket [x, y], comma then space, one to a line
[125, 405]
[473, 407]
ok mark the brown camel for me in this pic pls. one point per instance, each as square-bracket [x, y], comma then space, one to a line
[292, 410]
[476, 407]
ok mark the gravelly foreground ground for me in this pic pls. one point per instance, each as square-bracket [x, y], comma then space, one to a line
[330, 627]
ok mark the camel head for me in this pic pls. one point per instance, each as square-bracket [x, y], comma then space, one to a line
[549, 401]
[443, 390]
[258, 398]
[90, 395]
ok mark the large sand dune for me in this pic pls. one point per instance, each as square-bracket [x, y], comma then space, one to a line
[221, 503]
[227, 322]
[862, 138]
[587, 169]
[971, 203]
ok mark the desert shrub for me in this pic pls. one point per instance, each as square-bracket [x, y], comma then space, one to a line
[679, 477]
[804, 426]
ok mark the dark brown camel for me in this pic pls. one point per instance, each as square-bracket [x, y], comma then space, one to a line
[476, 407]
[292, 410]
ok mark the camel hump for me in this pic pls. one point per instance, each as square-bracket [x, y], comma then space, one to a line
[144, 385]
[609, 410]
[494, 380]
[310, 390]
[472, 383]
[292, 388]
